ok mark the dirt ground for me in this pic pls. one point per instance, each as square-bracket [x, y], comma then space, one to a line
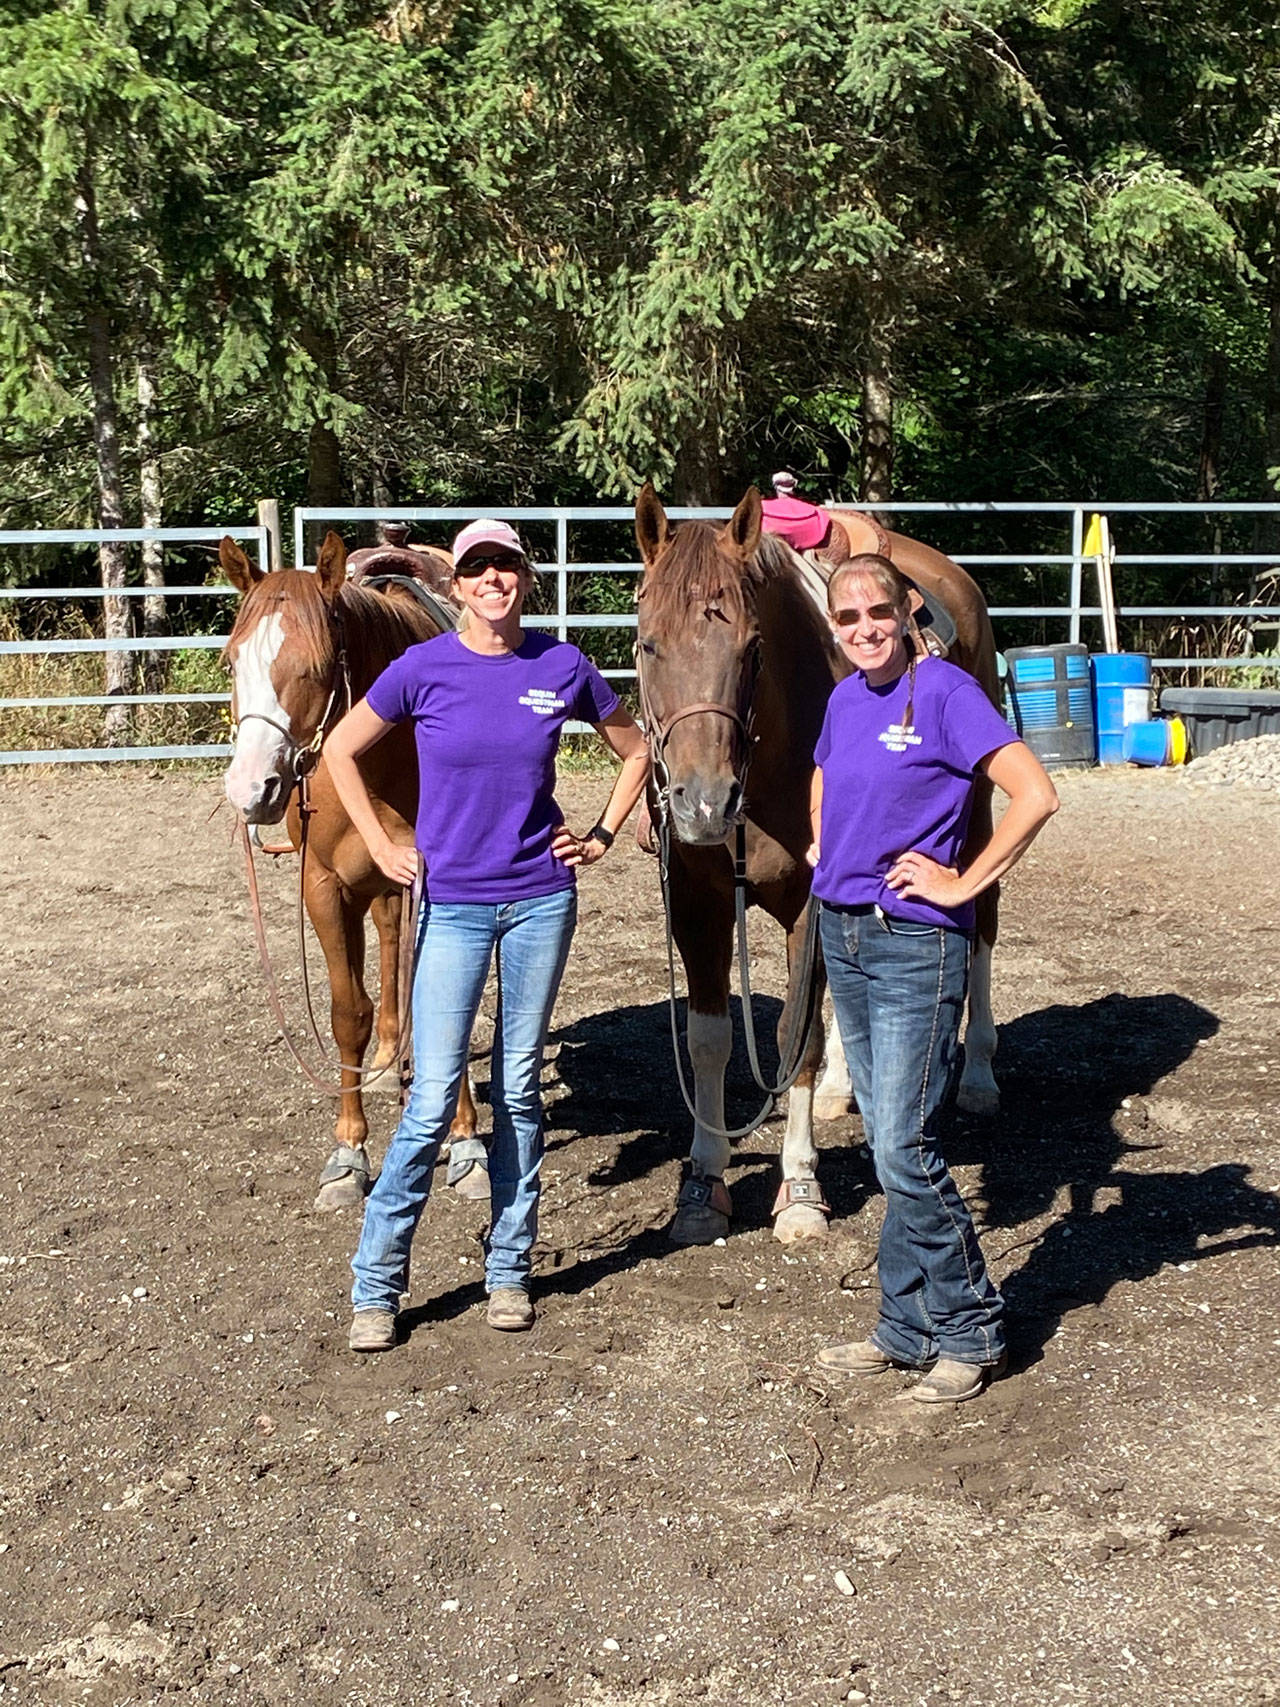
[648, 1499]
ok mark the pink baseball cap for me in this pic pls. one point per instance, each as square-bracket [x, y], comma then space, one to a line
[487, 532]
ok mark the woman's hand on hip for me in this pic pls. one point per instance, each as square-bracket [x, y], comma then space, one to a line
[917, 877]
[574, 850]
[396, 861]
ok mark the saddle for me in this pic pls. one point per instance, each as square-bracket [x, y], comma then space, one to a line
[414, 563]
[441, 610]
[823, 538]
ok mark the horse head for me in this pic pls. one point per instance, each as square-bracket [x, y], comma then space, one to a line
[284, 657]
[698, 652]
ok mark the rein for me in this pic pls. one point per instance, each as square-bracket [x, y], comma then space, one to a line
[303, 758]
[404, 977]
[791, 1056]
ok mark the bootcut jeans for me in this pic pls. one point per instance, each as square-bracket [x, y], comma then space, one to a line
[456, 942]
[898, 990]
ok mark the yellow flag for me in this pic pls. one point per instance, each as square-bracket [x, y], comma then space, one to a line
[1092, 546]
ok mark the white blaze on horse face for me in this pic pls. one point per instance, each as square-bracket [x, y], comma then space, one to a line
[262, 751]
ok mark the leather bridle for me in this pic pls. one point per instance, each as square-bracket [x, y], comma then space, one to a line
[302, 757]
[659, 731]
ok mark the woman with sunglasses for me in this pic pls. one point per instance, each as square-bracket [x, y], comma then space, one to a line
[488, 703]
[905, 741]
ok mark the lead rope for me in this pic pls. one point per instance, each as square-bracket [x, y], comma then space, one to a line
[791, 1052]
[805, 970]
[411, 898]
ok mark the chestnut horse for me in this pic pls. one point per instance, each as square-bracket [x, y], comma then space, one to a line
[737, 664]
[303, 648]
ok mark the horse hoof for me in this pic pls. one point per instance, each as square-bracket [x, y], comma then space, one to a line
[832, 1105]
[386, 1083]
[698, 1225]
[345, 1178]
[473, 1185]
[468, 1170]
[348, 1193]
[800, 1221]
[978, 1099]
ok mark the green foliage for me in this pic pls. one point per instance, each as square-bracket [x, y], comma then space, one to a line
[542, 249]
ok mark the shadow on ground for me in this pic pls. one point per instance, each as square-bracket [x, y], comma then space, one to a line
[1066, 1076]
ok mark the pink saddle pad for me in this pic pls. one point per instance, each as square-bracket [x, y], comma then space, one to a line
[803, 526]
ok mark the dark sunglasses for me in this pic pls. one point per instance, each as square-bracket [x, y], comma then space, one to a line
[878, 613]
[477, 564]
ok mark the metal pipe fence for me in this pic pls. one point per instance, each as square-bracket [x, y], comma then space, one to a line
[20, 597]
[553, 531]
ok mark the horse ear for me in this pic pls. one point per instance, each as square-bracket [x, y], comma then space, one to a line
[652, 528]
[236, 566]
[744, 526]
[331, 566]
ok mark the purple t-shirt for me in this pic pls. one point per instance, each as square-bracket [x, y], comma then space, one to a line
[487, 730]
[887, 791]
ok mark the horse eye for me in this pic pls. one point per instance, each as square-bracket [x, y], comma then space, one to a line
[649, 649]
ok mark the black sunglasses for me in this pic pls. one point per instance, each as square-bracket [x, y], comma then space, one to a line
[878, 613]
[476, 565]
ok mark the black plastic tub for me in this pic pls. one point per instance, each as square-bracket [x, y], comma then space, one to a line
[1217, 717]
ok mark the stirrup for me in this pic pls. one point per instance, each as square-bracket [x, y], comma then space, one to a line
[465, 1154]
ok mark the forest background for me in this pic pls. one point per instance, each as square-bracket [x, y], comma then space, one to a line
[518, 251]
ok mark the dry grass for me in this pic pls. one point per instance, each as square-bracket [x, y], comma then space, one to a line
[64, 675]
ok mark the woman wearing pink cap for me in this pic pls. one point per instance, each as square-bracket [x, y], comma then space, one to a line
[488, 704]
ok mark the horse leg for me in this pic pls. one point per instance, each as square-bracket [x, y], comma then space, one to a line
[467, 1180]
[468, 1170]
[387, 911]
[338, 922]
[703, 926]
[833, 1098]
[800, 1211]
[979, 1093]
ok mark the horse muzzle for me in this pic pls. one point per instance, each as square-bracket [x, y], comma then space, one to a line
[259, 799]
[704, 812]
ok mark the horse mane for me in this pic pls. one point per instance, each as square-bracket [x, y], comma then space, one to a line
[694, 571]
[375, 629]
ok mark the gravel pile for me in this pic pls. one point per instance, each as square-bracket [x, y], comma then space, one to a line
[1244, 764]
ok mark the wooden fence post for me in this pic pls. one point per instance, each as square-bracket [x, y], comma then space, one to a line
[269, 518]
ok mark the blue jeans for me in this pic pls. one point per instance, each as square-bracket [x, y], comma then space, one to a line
[456, 943]
[898, 991]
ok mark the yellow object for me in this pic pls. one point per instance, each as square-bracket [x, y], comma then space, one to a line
[1177, 741]
[1092, 546]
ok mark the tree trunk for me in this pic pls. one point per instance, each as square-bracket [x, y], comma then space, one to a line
[875, 480]
[154, 617]
[118, 672]
[698, 477]
[325, 485]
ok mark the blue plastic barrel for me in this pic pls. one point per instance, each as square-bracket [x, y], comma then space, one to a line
[1052, 702]
[1121, 696]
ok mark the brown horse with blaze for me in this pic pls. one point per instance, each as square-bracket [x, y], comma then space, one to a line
[304, 647]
